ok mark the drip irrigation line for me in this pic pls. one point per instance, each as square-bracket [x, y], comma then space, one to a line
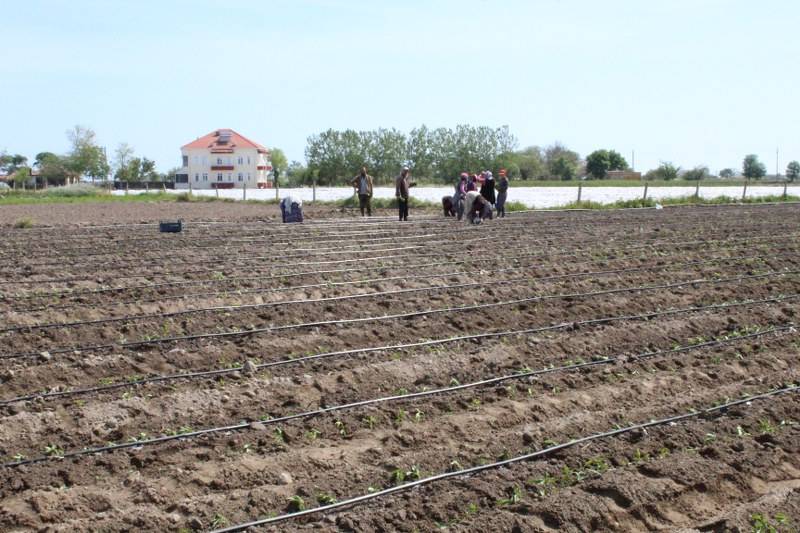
[374, 401]
[229, 308]
[305, 359]
[521, 458]
[357, 351]
[294, 265]
[422, 239]
[286, 327]
[494, 259]
[264, 290]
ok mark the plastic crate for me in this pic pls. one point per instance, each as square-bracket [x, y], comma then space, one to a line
[170, 226]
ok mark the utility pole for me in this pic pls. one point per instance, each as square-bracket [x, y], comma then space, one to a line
[777, 174]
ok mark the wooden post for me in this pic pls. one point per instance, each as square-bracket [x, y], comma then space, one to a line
[163, 186]
[580, 187]
[644, 196]
[217, 190]
[277, 189]
[314, 191]
[190, 186]
[744, 190]
[244, 192]
[697, 190]
[785, 185]
[126, 188]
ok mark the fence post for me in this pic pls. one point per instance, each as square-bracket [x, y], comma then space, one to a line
[146, 186]
[277, 187]
[785, 185]
[697, 190]
[314, 191]
[644, 196]
[217, 191]
[744, 190]
[190, 187]
[126, 188]
[244, 192]
[163, 186]
[580, 189]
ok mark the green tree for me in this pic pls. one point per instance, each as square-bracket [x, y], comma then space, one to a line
[531, 164]
[793, 171]
[86, 158]
[10, 163]
[665, 171]
[616, 161]
[561, 162]
[727, 173]
[752, 168]
[22, 175]
[696, 174]
[564, 168]
[278, 159]
[598, 164]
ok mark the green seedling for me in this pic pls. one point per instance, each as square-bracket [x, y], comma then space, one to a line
[52, 450]
[740, 431]
[766, 427]
[219, 521]
[418, 416]
[369, 421]
[514, 497]
[296, 504]
[325, 499]
[279, 435]
[400, 417]
[341, 428]
[19, 457]
[312, 434]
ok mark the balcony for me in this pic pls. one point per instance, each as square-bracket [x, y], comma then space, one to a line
[221, 167]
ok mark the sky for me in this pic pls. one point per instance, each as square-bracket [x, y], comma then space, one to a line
[693, 82]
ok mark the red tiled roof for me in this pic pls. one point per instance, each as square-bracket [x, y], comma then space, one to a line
[236, 141]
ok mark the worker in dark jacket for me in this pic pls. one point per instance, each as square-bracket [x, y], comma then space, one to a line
[402, 185]
[363, 186]
[502, 191]
[460, 195]
[480, 210]
[487, 189]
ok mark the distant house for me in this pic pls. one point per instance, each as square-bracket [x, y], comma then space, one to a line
[224, 159]
[623, 175]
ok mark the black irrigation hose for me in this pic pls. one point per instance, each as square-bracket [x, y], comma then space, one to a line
[526, 457]
[373, 401]
[238, 307]
[270, 329]
[263, 290]
[75, 292]
[249, 259]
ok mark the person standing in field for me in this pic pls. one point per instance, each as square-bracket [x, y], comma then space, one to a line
[487, 189]
[402, 185]
[363, 186]
[460, 195]
[502, 191]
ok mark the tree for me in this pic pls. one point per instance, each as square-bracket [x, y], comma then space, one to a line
[22, 175]
[696, 174]
[666, 171]
[793, 171]
[752, 168]
[559, 160]
[597, 164]
[10, 163]
[530, 162]
[86, 158]
[279, 163]
[122, 155]
[616, 161]
[727, 173]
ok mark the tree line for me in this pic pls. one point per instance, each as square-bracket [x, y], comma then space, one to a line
[333, 157]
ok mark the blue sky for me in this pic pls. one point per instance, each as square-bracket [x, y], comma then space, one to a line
[692, 82]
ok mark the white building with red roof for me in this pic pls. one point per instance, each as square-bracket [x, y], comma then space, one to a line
[224, 159]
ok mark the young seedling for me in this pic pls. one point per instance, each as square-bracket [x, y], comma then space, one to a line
[219, 521]
[766, 427]
[418, 416]
[341, 428]
[325, 499]
[312, 434]
[296, 504]
[279, 435]
[514, 497]
[53, 450]
[369, 421]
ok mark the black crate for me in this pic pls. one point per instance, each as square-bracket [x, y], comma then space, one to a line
[170, 227]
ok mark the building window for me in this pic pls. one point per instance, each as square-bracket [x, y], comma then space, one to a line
[219, 176]
[185, 161]
[241, 160]
[248, 176]
[197, 177]
[248, 159]
[219, 160]
[205, 176]
[230, 178]
[241, 176]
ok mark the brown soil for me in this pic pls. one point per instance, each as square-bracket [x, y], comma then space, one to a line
[86, 306]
